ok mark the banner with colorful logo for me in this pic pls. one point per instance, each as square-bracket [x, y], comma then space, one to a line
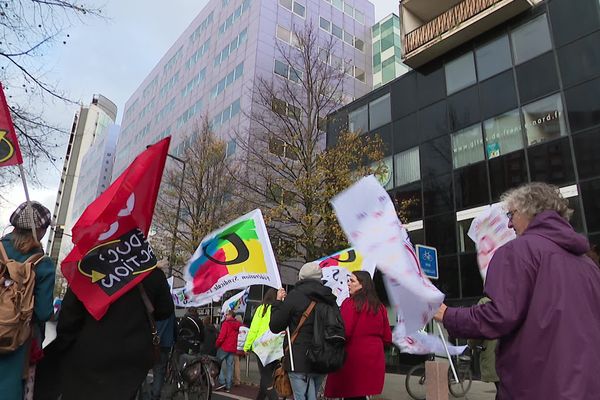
[490, 231]
[237, 303]
[235, 256]
[337, 268]
[368, 217]
[10, 153]
[111, 253]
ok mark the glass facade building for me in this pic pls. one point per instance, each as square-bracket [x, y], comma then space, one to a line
[519, 103]
[213, 68]
[387, 51]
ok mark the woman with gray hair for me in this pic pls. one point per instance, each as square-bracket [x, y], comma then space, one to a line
[545, 302]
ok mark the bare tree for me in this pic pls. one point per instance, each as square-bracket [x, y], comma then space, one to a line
[27, 29]
[289, 174]
[207, 195]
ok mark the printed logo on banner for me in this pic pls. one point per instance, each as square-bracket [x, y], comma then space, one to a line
[233, 251]
[113, 264]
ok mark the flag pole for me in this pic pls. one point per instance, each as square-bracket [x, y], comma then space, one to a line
[447, 351]
[29, 207]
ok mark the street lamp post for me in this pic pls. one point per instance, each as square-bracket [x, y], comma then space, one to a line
[181, 183]
[174, 240]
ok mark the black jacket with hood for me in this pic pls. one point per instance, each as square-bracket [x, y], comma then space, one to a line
[288, 313]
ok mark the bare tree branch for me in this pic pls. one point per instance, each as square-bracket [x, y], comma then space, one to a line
[290, 175]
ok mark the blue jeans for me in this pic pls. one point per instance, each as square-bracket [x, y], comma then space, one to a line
[158, 372]
[305, 386]
[226, 358]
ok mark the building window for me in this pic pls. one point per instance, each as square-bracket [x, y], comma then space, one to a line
[337, 31]
[299, 9]
[386, 178]
[287, 36]
[358, 120]
[359, 74]
[281, 148]
[544, 120]
[293, 6]
[286, 71]
[380, 112]
[460, 73]
[467, 146]
[287, 4]
[493, 57]
[531, 39]
[408, 166]
[325, 24]
[503, 134]
[230, 148]
[283, 108]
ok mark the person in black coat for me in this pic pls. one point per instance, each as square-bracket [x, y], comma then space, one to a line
[190, 332]
[110, 358]
[210, 338]
[286, 312]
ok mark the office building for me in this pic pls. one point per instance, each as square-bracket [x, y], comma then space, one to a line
[502, 93]
[89, 123]
[387, 51]
[213, 67]
[96, 169]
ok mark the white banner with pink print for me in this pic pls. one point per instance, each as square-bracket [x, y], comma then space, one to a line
[368, 217]
[489, 230]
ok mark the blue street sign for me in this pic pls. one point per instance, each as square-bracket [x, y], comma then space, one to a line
[428, 260]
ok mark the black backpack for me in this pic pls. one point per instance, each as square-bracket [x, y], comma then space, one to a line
[327, 351]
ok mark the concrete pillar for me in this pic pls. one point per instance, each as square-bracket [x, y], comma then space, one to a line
[437, 380]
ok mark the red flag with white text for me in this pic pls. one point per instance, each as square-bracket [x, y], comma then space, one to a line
[10, 153]
[111, 253]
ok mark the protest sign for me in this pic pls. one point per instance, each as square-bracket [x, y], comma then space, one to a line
[368, 217]
[235, 256]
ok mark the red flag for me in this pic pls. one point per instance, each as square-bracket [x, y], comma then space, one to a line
[111, 253]
[10, 153]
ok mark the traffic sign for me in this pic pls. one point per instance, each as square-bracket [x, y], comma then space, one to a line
[428, 260]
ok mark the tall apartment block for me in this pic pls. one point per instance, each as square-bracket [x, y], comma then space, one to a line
[213, 66]
[89, 123]
[96, 169]
[387, 51]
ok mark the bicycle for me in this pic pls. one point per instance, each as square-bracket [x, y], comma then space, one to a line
[190, 377]
[415, 381]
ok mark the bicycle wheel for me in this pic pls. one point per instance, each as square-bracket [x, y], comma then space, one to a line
[460, 389]
[415, 382]
[200, 388]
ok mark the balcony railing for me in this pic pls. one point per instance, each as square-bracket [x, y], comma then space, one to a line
[445, 22]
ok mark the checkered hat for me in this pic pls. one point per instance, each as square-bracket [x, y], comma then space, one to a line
[21, 218]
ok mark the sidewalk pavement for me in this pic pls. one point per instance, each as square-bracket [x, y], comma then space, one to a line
[393, 388]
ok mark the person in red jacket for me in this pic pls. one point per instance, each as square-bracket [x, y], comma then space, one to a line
[367, 330]
[227, 348]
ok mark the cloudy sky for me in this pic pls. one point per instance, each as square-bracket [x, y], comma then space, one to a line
[112, 56]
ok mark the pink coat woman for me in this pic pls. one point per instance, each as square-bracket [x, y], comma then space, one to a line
[367, 330]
